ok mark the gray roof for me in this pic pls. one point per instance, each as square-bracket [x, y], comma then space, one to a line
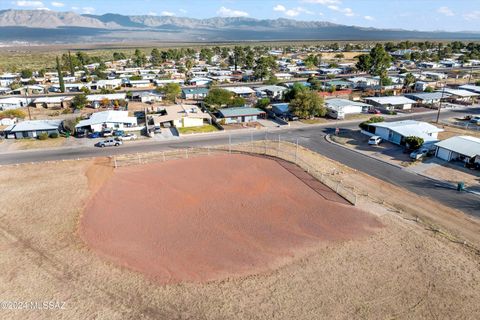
[36, 125]
[470, 87]
[391, 100]
[239, 112]
[340, 103]
[464, 145]
[427, 95]
[409, 128]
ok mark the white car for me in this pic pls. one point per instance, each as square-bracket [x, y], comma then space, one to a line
[128, 137]
[374, 140]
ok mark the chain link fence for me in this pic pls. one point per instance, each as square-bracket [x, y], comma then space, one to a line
[284, 150]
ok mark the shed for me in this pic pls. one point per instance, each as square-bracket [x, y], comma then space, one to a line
[462, 148]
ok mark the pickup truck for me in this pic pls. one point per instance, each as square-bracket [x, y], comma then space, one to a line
[109, 143]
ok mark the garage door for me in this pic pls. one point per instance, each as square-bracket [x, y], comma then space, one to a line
[443, 154]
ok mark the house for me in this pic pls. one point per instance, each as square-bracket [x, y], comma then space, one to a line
[281, 110]
[29, 89]
[340, 84]
[327, 71]
[7, 121]
[435, 75]
[7, 79]
[69, 87]
[469, 87]
[33, 128]
[146, 97]
[459, 95]
[161, 82]
[427, 98]
[52, 102]
[110, 119]
[244, 92]
[138, 83]
[96, 100]
[109, 84]
[274, 92]
[194, 93]
[181, 116]
[396, 132]
[283, 76]
[459, 148]
[199, 81]
[14, 103]
[240, 114]
[339, 108]
[390, 103]
[364, 82]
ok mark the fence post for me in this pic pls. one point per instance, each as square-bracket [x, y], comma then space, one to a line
[139, 160]
[186, 153]
[115, 161]
[229, 143]
[296, 151]
[163, 154]
[251, 142]
[208, 150]
[278, 146]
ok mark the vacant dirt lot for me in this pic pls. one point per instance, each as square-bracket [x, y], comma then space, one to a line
[175, 221]
[403, 271]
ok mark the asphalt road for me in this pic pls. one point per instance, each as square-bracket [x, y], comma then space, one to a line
[312, 137]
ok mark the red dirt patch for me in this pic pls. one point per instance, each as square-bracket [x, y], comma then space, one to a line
[209, 218]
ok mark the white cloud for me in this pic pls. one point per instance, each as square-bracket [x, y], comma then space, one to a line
[346, 11]
[369, 18]
[38, 4]
[474, 15]
[226, 12]
[292, 13]
[75, 8]
[280, 8]
[43, 8]
[446, 11]
[151, 13]
[88, 10]
[324, 2]
[182, 10]
[167, 13]
[57, 4]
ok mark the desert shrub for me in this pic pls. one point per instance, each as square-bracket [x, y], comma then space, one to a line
[54, 135]
[43, 136]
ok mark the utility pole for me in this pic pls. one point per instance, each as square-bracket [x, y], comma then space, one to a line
[441, 100]
[28, 105]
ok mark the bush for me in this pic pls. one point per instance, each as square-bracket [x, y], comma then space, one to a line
[375, 119]
[413, 142]
[54, 135]
[43, 136]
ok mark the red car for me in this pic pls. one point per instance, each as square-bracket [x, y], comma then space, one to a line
[374, 111]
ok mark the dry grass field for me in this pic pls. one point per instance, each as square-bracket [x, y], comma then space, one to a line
[403, 271]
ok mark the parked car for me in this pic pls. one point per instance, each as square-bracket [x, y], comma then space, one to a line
[128, 137]
[80, 134]
[107, 133]
[419, 153]
[94, 135]
[475, 119]
[374, 140]
[118, 133]
[374, 111]
[109, 143]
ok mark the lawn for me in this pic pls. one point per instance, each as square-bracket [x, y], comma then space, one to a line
[201, 129]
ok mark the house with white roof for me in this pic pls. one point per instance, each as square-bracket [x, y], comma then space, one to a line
[390, 103]
[396, 132]
[241, 91]
[459, 148]
[96, 100]
[14, 103]
[274, 92]
[181, 116]
[33, 128]
[339, 108]
[52, 102]
[470, 87]
[459, 95]
[110, 119]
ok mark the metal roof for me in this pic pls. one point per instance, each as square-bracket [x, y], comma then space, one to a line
[408, 128]
[470, 87]
[239, 112]
[111, 116]
[194, 90]
[36, 125]
[391, 100]
[281, 107]
[240, 90]
[460, 93]
[464, 145]
[428, 95]
[271, 88]
[341, 103]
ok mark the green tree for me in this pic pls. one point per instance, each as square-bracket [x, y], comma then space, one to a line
[376, 62]
[272, 80]
[294, 91]
[139, 58]
[218, 97]
[262, 103]
[171, 91]
[60, 76]
[71, 64]
[26, 73]
[119, 56]
[414, 142]
[265, 67]
[409, 81]
[79, 101]
[308, 104]
[156, 57]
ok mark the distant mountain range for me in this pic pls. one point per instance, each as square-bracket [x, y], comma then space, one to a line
[43, 26]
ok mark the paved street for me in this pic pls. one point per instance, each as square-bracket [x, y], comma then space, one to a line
[312, 137]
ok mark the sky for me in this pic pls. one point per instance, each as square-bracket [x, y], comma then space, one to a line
[428, 15]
